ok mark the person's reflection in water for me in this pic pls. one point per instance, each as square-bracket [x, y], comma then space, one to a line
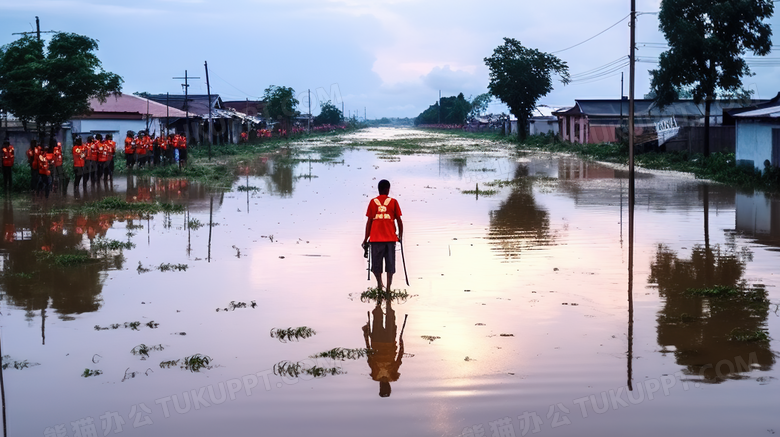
[380, 339]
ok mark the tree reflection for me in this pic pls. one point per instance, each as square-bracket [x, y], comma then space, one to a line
[33, 281]
[519, 223]
[701, 328]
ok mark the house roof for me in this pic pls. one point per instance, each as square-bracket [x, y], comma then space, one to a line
[251, 107]
[770, 109]
[647, 108]
[130, 106]
[198, 104]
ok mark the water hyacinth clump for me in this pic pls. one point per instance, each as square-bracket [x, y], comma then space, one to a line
[342, 354]
[294, 370]
[283, 335]
[375, 294]
[143, 350]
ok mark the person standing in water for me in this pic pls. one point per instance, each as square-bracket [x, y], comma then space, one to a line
[383, 213]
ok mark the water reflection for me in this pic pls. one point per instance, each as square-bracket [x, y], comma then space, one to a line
[758, 216]
[34, 273]
[385, 358]
[519, 223]
[700, 329]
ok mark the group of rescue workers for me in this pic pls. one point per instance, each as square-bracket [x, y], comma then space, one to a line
[93, 159]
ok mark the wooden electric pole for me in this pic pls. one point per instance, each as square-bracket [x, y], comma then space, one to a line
[208, 92]
[186, 87]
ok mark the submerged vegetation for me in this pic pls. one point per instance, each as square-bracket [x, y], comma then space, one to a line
[233, 305]
[143, 350]
[91, 372]
[115, 204]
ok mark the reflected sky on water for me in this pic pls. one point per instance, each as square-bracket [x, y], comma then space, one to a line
[517, 315]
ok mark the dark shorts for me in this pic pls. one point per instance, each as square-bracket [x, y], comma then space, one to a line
[384, 250]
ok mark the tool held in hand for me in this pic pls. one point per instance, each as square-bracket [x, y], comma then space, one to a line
[404, 261]
[366, 255]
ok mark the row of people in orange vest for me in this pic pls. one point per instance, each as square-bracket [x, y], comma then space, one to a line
[146, 150]
[93, 160]
[44, 163]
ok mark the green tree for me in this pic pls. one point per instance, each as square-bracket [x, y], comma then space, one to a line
[329, 114]
[280, 105]
[520, 76]
[50, 85]
[707, 40]
[480, 104]
[453, 111]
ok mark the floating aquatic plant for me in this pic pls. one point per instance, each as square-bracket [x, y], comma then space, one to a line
[294, 370]
[196, 362]
[18, 365]
[91, 372]
[283, 335]
[342, 354]
[143, 350]
[375, 294]
[758, 335]
[430, 338]
[105, 245]
[164, 267]
[194, 224]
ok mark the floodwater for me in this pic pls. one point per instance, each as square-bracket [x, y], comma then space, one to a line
[525, 315]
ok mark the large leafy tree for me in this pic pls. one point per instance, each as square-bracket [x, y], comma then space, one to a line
[520, 76]
[707, 40]
[329, 114]
[50, 85]
[280, 105]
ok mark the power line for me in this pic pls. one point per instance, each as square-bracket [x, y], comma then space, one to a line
[594, 36]
[616, 61]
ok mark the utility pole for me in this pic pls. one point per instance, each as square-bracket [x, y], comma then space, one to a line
[631, 200]
[631, 76]
[167, 115]
[186, 86]
[37, 31]
[208, 92]
[308, 120]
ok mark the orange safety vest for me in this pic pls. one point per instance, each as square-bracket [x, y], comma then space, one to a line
[111, 148]
[36, 155]
[129, 146]
[57, 155]
[183, 142]
[381, 212]
[43, 165]
[102, 152]
[8, 156]
[78, 156]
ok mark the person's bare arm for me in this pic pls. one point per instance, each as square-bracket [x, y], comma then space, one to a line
[368, 229]
[400, 228]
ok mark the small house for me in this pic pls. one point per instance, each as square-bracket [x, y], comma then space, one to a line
[758, 134]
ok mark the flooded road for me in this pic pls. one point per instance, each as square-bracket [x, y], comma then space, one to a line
[517, 320]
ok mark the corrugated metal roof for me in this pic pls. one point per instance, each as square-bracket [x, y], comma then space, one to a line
[128, 103]
[768, 112]
[646, 107]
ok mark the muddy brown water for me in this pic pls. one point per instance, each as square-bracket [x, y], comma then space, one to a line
[518, 322]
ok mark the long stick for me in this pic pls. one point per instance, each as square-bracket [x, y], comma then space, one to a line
[404, 262]
[2, 394]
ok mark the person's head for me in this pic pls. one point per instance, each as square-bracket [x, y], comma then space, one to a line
[384, 389]
[77, 141]
[130, 134]
[384, 187]
[6, 142]
[33, 144]
[99, 137]
[109, 137]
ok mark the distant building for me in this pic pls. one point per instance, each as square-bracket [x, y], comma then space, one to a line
[606, 121]
[125, 112]
[758, 134]
[228, 121]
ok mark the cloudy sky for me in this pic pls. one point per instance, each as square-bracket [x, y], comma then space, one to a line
[379, 57]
